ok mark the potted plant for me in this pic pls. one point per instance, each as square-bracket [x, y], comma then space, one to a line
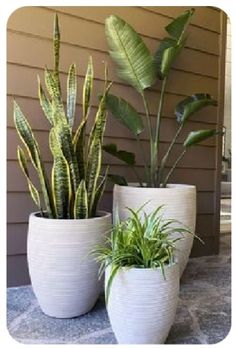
[140, 69]
[141, 276]
[68, 225]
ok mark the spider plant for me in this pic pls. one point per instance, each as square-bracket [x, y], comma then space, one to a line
[76, 180]
[142, 241]
[140, 69]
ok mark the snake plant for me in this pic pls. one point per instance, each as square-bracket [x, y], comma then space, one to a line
[140, 69]
[77, 182]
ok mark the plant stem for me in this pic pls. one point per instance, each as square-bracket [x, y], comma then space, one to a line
[150, 137]
[172, 168]
[144, 159]
[166, 156]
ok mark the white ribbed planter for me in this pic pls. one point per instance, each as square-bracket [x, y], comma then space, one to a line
[142, 305]
[180, 204]
[64, 275]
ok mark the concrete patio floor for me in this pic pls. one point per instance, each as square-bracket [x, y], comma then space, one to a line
[203, 315]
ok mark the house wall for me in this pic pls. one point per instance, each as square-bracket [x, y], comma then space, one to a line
[197, 69]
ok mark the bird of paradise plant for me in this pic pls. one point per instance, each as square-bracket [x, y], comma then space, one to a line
[140, 69]
[76, 183]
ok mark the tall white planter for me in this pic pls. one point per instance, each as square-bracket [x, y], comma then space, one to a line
[180, 204]
[142, 305]
[64, 275]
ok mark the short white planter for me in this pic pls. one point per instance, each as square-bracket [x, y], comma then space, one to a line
[64, 275]
[180, 204]
[142, 305]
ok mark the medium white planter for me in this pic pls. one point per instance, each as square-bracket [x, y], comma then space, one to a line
[64, 275]
[142, 305]
[180, 204]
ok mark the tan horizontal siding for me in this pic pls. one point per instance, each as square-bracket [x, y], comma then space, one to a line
[29, 49]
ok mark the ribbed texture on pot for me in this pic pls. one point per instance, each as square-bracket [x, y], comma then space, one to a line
[64, 275]
[180, 204]
[142, 305]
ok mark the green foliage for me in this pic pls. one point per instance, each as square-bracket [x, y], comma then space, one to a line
[128, 50]
[77, 182]
[125, 156]
[138, 68]
[142, 241]
[196, 137]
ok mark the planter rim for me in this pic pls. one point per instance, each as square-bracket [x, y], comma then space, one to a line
[102, 215]
[135, 269]
[175, 186]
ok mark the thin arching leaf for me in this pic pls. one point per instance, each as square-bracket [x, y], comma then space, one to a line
[127, 49]
[125, 113]
[99, 192]
[81, 201]
[199, 136]
[192, 104]
[87, 87]
[125, 156]
[71, 94]
[45, 103]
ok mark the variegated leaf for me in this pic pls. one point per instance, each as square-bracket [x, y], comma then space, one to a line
[87, 87]
[45, 103]
[93, 171]
[81, 201]
[23, 164]
[71, 94]
[55, 94]
[61, 186]
[79, 147]
[99, 192]
[56, 47]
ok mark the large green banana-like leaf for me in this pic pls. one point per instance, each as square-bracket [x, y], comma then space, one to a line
[45, 103]
[61, 186]
[87, 87]
[196, 137]
[170, 47]
[127, 49]
[71, 94]
[192, 104]
[81, 201]
[125, 113]
[117, 179]
[63, 133]
[93, 171]
[23, 164]
[178, 26]
[56, 49]
[99, 192]
[125, 156]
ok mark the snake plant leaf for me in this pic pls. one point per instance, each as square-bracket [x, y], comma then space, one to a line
[79, 147]
[45, 103]
[192, 104]
[55, 94]
[87, 87]
[117, 179]
[170, 47]
[26, 134]
[178, 26]
[196, 137]
[61, 187]
[23, 164]
[71, 94]
[93, 171]
[56, 49]
[81, 201]
[135, 63]
[63, 132]
[125, 113]
[125, 156]
[99, 192]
